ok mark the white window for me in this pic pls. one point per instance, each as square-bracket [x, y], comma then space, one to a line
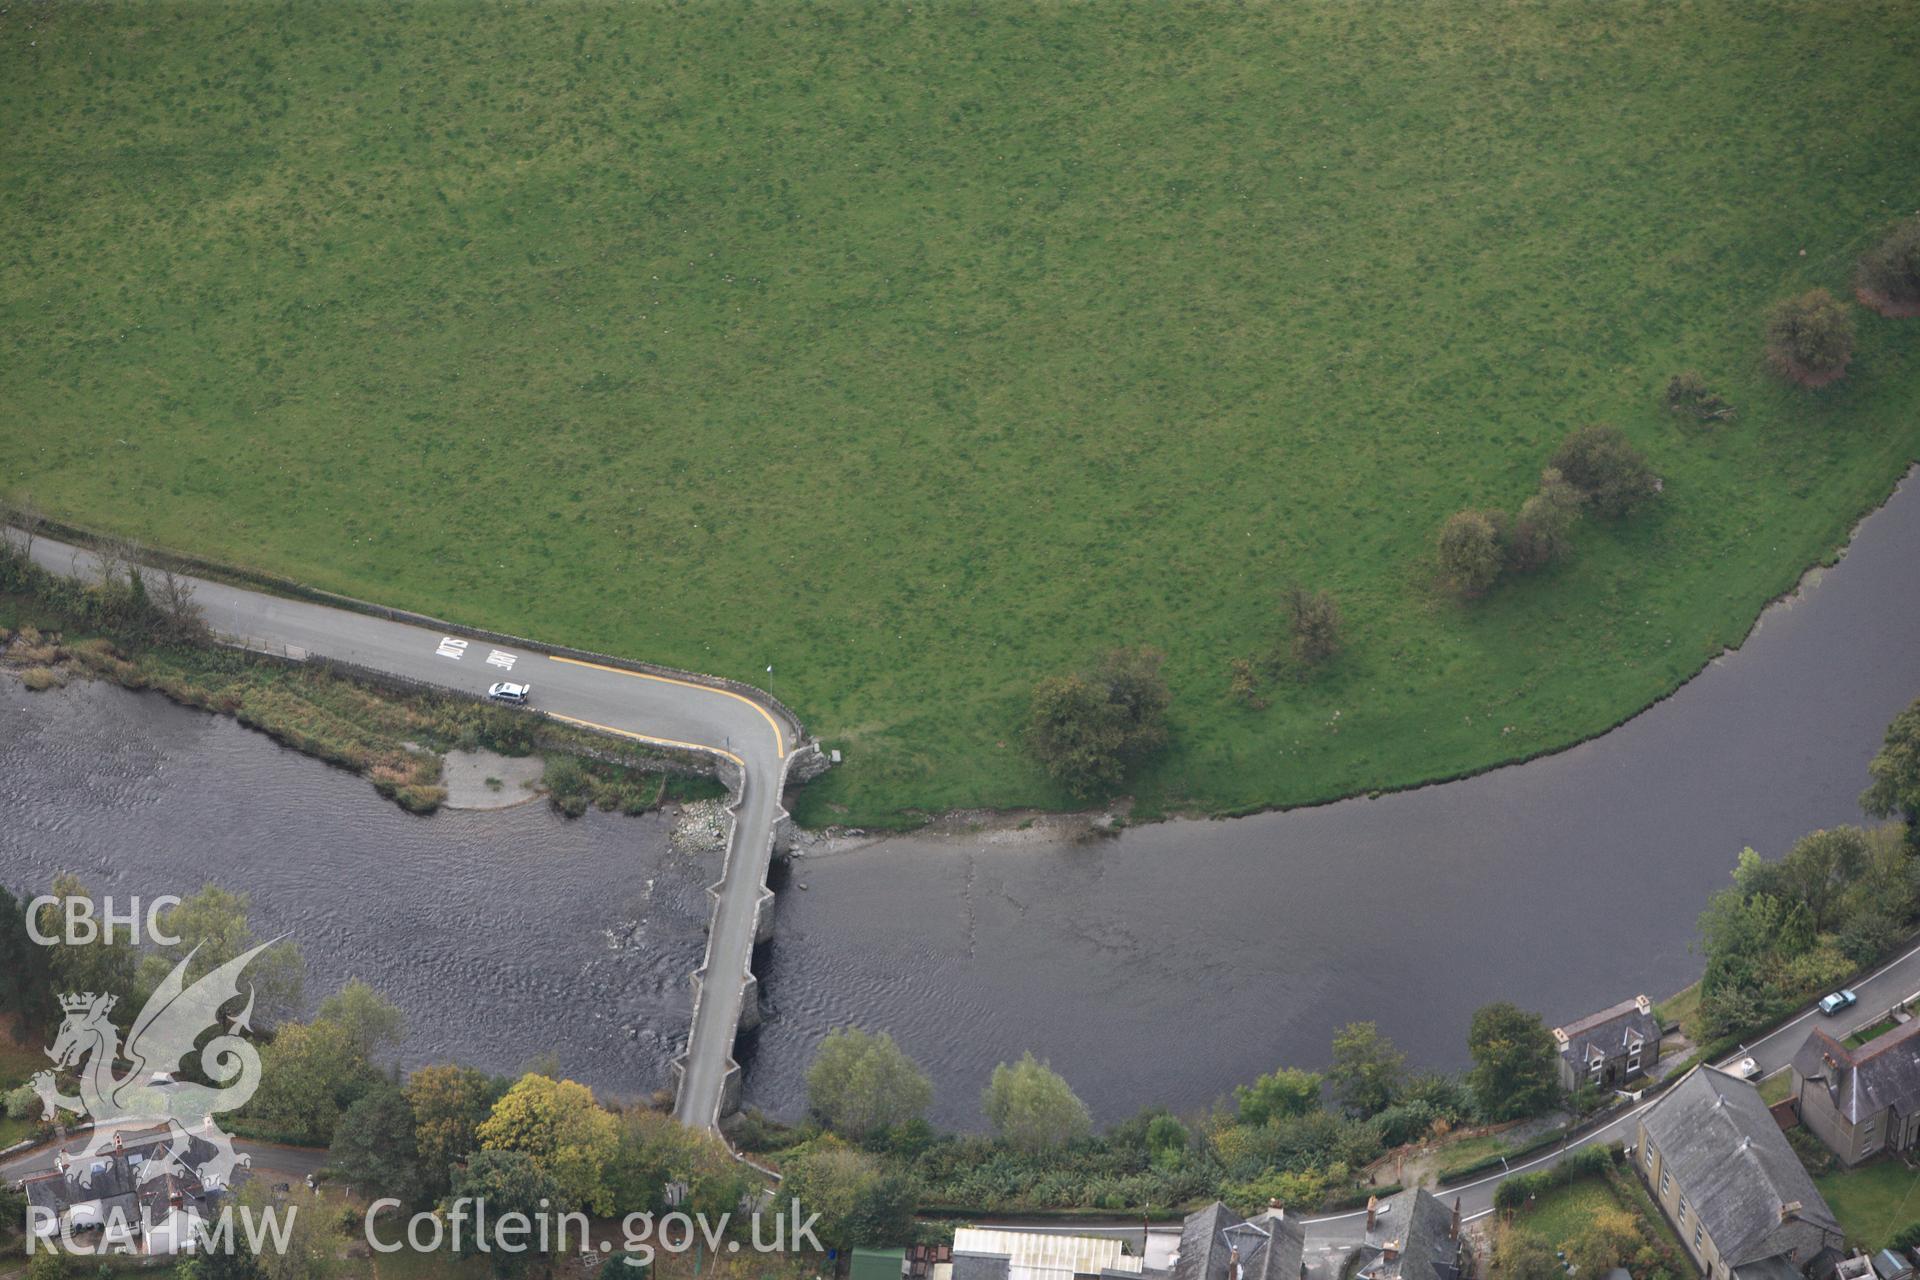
[1680, 1218]
[1633, 1062]
[1649, 1155]
[1698, 1231]
[1666, 1182]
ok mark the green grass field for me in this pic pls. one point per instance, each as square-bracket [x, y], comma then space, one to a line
[1873, 1201]
[923, 351]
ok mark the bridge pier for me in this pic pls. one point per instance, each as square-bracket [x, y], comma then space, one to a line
[749, 1006]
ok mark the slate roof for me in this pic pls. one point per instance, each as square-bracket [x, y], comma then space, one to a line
[1270, 1245]
[1884, 1072]
[1722, 1146]
[1422, 1228]
[1610, 1032]
[1774, 1268]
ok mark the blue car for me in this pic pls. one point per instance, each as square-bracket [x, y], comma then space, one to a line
[1837, 1001]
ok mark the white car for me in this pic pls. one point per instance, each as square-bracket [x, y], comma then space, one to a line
[506, 691]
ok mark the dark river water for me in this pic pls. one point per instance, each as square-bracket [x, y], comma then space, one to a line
[503, 935]
[1161, 966]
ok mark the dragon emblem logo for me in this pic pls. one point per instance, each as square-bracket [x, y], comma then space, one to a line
[146, 1095]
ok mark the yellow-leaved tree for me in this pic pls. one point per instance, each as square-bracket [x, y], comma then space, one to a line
[559, 1126]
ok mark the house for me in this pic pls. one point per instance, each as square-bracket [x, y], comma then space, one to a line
[1603, 1049]
[988, 1254]
[108, 1193]
[1722, 1172]
[1218, 1244]
[1861, 1101]
[1414, 1237]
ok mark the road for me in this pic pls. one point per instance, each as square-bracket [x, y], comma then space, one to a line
[1330, 1236]
[668, 710]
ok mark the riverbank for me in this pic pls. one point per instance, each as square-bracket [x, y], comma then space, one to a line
[393, 736]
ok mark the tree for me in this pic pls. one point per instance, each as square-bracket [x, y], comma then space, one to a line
[46, 1264]
[310, 1074]
[559, 1125]
[374, 1022]
[26, 974]
[1889, 275]
[1085, 730]
[449, 1105]
[1515, 1068]
[1544, 531]
[311, 1251]
[1367, 1070]
[375, 1149]
[182, 617]
[862, 1085]
[1313, 618]
[1287, 1091]
[1031, 1108]
[1895, 771]
[102, 965]
[1816, 873]
[1602, 463]
[655, 1150]
[506, 1182]
[24, 517]
[1166, 1135]
[861, 1200]
[1810, 338]
[1471, 550]
[212, 926]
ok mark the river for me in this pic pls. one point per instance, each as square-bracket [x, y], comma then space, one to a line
[1162, 965]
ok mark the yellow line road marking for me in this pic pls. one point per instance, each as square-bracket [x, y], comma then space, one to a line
[641, 737]
[779, 738]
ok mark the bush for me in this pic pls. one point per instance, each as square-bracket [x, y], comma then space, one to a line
[1405, 1122]
[1602, 463]
[1687, 395]
[1314, 619]
[1516, 1191]
[1472, 550]
[1595, 1158]
[1906, 1237]
[1813, 1153]
[23, 1104]
[1889, 275]
[1810, 338]
[41, 679]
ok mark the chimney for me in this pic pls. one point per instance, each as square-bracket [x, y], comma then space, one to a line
[1453, 1231]
[118, 1144]
[1390, 1251]
[1789, 1211]
[1373, 1212]
[1560, 1036]
[1643, 1004]
[1275, 1208]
